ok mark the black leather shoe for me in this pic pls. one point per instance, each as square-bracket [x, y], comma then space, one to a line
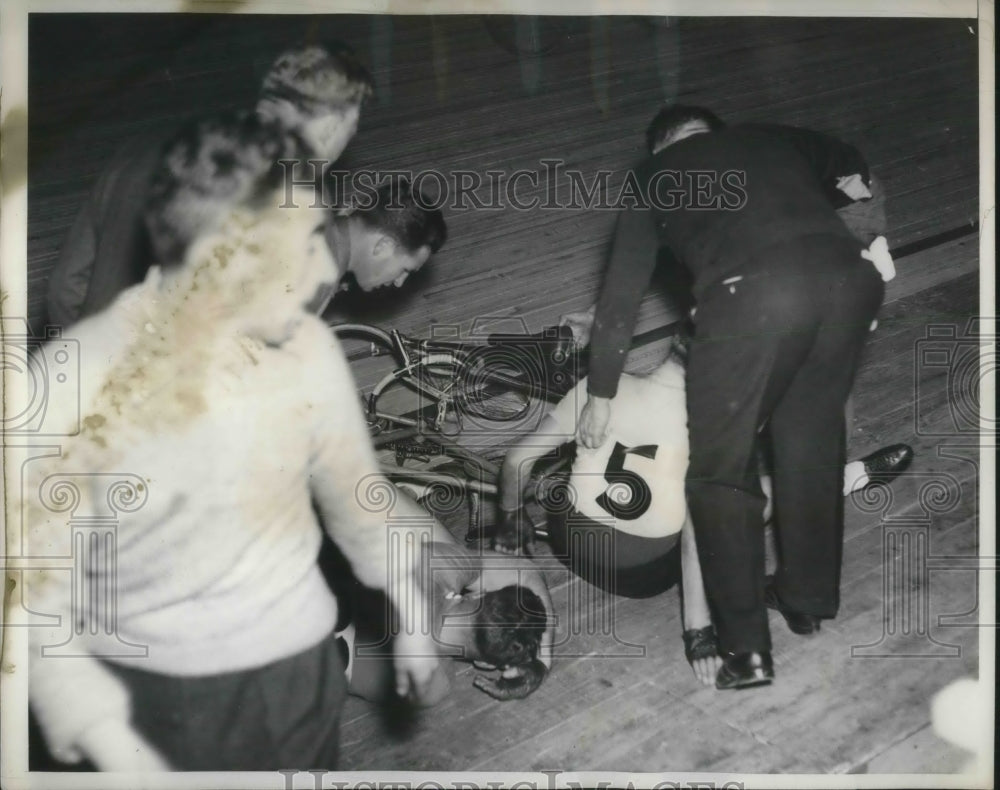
[745, 670]
[798, 622]
[888, 462]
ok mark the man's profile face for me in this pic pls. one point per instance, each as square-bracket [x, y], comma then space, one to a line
[387, 262]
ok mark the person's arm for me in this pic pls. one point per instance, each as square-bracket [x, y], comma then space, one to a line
[866, 219]
[351, 495]
[633, 258]
[515, 473]
[675, 280]
[107, 248]
[82, 709]
[839, 166]
[125, 255]
[626, 279]
[556, 429]
[700, 642]
[70, 277]
[452, 567]
[695, 613]
[116, 746]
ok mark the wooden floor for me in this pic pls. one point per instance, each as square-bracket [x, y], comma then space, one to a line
[854, 698]
[454, 94]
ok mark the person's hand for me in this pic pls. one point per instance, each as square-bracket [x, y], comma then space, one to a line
[580, 323]
[513, 532]
[878, 254]
[416, 662]
[114, 745]
[594, 421]
[436, 689]
[701, 649]
[854, 187]
[706, 669]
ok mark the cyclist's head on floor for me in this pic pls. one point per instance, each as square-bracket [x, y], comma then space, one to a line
[508, 635]
[509, 626]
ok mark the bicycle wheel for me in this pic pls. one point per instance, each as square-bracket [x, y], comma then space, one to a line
[388, 378]
[361, 341]
[373, 357]
[498, 383]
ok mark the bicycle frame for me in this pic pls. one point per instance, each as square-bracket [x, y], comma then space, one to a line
[410, 358]
[453, 363]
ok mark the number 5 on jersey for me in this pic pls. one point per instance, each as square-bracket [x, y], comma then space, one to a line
[627, 496]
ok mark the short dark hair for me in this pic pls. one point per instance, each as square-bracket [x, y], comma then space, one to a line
[318, 76]
[670, 119]
[209, 167]
[403, 215]
[510, 625]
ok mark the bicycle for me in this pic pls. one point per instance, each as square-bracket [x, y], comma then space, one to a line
[498, 380]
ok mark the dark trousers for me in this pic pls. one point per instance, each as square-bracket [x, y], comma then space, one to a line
[612, 560]
[282, 715]
[778, 348]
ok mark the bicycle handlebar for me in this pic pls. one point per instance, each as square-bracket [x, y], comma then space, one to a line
[550, 334]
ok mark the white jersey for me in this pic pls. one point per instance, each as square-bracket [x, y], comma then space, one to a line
[635, 480]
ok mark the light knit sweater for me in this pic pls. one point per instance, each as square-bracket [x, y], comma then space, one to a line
[651, 414]
[217, 571]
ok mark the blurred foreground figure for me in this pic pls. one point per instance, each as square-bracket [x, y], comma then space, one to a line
[211, 383]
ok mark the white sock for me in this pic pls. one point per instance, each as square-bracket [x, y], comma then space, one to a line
[855, 477]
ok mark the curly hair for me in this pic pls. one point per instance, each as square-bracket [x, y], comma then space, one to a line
[315, 76]
[510, 625]
[209, 167]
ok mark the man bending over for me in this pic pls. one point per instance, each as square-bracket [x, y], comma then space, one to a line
[621, 518]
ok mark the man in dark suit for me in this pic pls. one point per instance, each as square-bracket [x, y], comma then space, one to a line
[784, 301]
